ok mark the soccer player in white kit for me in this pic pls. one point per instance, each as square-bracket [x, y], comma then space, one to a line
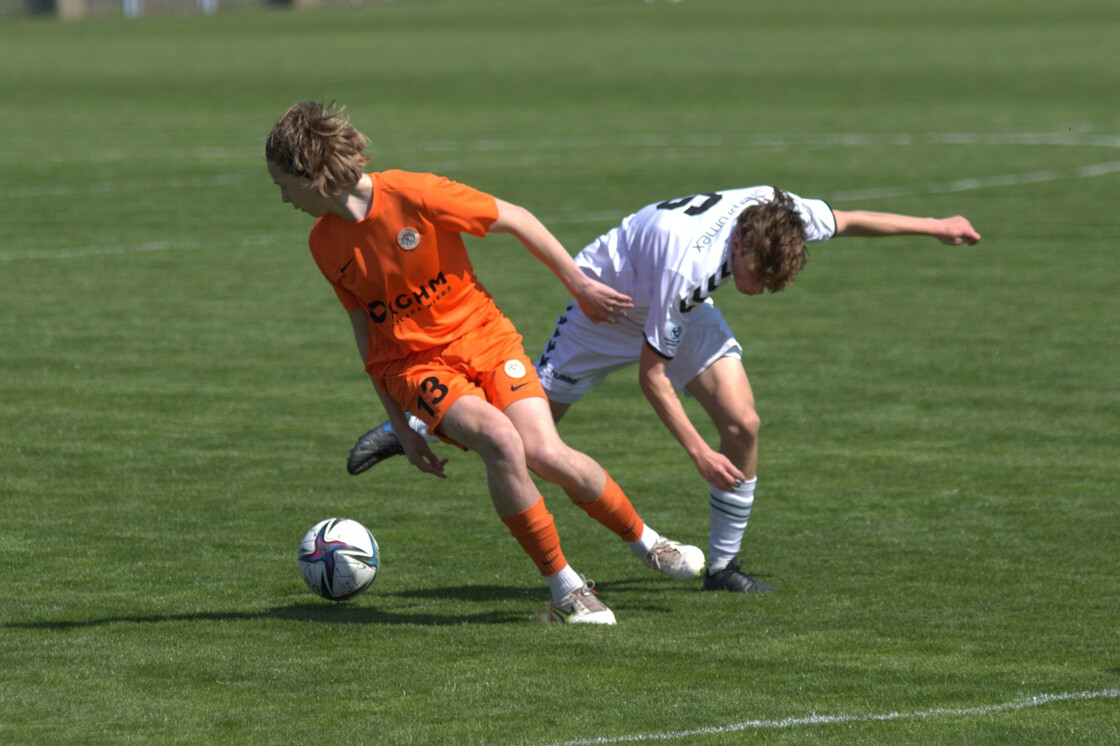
[669, 258]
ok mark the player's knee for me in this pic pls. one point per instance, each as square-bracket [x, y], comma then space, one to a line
[743, 428]
[548, 460]
[499, 442]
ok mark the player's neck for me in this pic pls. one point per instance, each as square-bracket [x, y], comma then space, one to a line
[353, 205]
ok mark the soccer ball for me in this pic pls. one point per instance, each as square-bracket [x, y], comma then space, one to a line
[338, 558]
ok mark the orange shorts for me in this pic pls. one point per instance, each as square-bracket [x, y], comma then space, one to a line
[488, 362]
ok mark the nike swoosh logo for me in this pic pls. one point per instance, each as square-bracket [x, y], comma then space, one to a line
[518, 386]
[344, 266]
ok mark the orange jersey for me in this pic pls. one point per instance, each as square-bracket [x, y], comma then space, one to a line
[406, 265]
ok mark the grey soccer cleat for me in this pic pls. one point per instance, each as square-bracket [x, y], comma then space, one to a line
[375, 446]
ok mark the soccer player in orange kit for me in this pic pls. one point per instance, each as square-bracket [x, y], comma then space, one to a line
[435, 344]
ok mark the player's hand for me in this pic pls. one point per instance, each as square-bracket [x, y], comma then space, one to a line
[420, 454]
[718, 470]
[957, 230]
[600, 302]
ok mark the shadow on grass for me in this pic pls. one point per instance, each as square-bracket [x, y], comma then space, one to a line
[357, 611]
[362, 609]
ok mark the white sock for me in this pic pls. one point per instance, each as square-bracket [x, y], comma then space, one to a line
[641, 547]
[729, 513]
[563, 583]
[421, 427]
[416, 424]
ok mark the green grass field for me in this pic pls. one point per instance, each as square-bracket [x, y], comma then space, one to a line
[179, 389]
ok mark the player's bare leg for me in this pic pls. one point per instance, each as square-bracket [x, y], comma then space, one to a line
[558, 409]
[551, 458]
[725, 393]
[591, 488]
[478, 425]
[481, 427]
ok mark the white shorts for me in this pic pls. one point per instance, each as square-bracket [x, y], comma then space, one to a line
[580, 354]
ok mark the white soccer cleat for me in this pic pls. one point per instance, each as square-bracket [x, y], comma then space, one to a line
[582, 606]
[678, 561]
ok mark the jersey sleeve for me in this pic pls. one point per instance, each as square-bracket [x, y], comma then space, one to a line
[458, 208]
[319, 243]
[820, 223]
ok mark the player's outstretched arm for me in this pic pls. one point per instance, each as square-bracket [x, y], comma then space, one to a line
[600, 302]
[950, 231]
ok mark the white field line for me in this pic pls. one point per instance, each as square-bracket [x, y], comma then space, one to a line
[986, 182]
[939, 713]
[958, 185]
[779, 141]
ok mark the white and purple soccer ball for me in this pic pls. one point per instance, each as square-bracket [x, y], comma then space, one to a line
[338, 558]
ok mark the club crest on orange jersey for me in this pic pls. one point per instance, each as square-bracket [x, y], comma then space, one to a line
[408, 239]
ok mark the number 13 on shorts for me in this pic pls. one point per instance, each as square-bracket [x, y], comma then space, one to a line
[432, 392]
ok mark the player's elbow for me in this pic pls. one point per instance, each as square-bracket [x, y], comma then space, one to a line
[512, 219]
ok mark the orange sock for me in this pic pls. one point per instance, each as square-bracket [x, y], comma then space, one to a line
[613, 510]
[535, 531]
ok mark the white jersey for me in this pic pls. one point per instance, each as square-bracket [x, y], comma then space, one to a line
[671, 256]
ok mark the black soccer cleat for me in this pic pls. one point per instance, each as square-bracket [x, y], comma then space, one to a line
[375, 446]
[731, 578]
